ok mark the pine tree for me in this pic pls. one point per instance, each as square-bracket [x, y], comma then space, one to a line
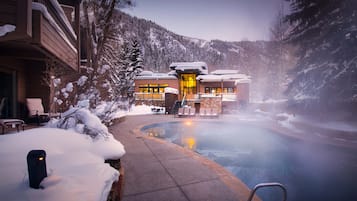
[135, 68]
[326, 32]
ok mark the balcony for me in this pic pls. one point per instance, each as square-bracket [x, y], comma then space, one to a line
[226, 97]
[150, 96]
[42, 32]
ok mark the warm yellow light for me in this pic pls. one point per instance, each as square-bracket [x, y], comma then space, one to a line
[40, 159]
[188, 123]
[191, 142]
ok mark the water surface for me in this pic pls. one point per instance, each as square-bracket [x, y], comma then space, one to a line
[309, 171]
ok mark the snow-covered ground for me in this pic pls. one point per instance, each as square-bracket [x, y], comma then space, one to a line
[75, 165]
[140, 110]
[75, 159]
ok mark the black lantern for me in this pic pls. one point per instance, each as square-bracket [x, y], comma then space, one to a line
[36, 165]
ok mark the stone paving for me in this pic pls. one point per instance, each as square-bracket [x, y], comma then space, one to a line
[160, 171]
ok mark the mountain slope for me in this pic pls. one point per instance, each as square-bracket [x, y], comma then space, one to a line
[266, 62]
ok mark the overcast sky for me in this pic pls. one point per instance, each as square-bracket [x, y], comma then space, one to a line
[229, 20]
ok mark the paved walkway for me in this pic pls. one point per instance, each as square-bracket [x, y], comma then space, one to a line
[160, 171]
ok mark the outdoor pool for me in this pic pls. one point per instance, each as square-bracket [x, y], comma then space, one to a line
[310, 171]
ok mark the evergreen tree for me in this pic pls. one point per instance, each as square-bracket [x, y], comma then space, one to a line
[101, 47]
[326, 33]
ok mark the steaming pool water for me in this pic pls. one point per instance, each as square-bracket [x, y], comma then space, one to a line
[310, 171]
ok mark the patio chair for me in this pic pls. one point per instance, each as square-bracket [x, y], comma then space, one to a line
[3, 108]
[192, 112]
[203, 112]
[186, 111]
[180, 112]
[214, 112]
[12, 123]
[37, 112]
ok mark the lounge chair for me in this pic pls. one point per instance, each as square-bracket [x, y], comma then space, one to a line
[209, 112]
[192, 112]
[180, 112]
[14, 123]
[186, 111]
[37, 112]
[3, 108]
[202, 112]
[214, 112]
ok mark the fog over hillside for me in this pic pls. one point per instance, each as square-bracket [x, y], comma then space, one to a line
[266, 62]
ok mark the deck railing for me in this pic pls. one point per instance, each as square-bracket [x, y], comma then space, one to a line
[149, 96]
[60, 20]
[224, 96]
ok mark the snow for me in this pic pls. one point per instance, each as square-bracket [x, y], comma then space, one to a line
[187, 66]
[82, 80]
[42, 8]
[75, 165]
[224, 72]
[237, 78]
[60, 11]
[270, 100]
[153, 38]
[146, 73]
[171, 90]
[7, 28]
[138, 110]
[69, 87]
[82, 121]
[151, 75]
[56, 82]
[103, 69]
[234, 50]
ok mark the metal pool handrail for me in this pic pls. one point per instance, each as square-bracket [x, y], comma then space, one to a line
[263, 185]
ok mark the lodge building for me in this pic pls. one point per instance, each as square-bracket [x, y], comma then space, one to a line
[190, 82]
[33, 34]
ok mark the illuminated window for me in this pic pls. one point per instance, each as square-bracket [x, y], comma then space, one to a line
[188, 84]
[152, 88]
[213, 90]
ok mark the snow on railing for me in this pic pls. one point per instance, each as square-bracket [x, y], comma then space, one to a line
[7, 28]
[43, 9]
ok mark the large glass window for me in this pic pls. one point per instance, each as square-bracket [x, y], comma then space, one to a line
[152, 88]
[218, 90]
[188, 84]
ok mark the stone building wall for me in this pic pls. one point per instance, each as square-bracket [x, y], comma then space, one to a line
[212, 102]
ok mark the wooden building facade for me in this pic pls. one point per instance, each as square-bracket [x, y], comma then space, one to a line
[37, 33]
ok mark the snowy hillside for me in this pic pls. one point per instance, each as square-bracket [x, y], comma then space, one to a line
[326, 73]
[264, 61]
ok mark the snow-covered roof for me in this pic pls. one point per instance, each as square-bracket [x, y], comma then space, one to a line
[171, 90]
[199, 66]
[236, 78]
[224, 72]
[145, 75]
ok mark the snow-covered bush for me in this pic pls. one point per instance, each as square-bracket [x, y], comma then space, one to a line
[82, 121]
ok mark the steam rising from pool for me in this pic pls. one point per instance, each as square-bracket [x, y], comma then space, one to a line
[309, 171]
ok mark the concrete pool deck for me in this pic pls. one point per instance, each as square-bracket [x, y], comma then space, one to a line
[160, 171]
